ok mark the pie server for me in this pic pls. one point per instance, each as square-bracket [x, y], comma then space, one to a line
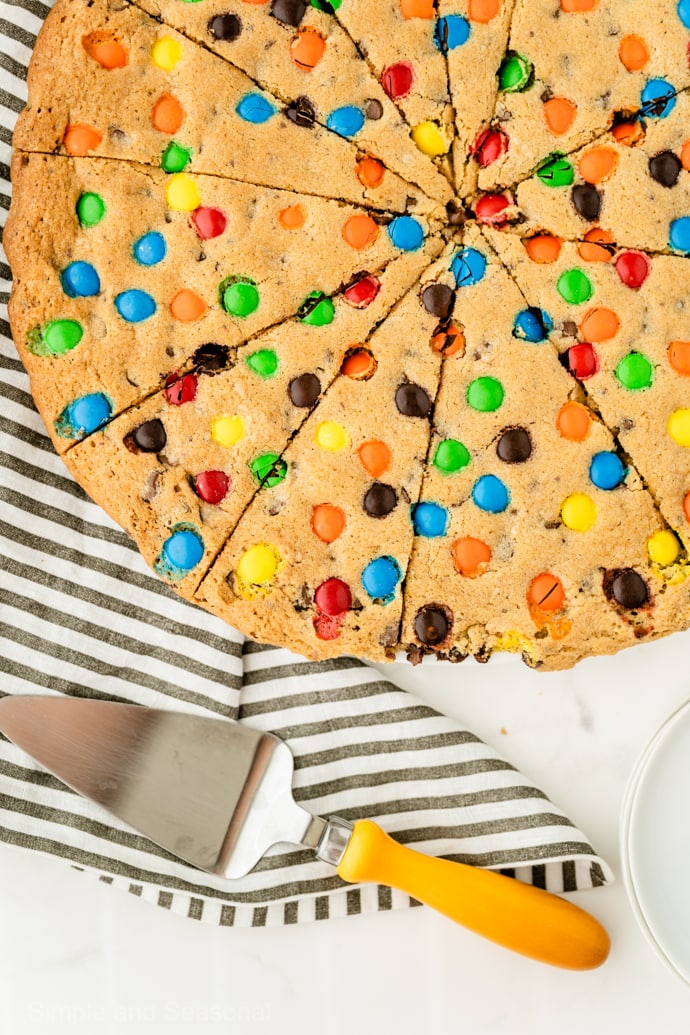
[218, 794]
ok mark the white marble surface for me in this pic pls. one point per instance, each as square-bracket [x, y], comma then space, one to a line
[79, 957]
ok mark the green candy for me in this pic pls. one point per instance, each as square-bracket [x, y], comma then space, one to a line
[575, 287]
[556, 172]
[264, 363]
[485, 394]
[635, 372]
[268, 469]
[239, 297]
[451, 456]
[55, 339]
[329, 6]
[175, 158]
[90, 209]
[317, 310]
[515, 73]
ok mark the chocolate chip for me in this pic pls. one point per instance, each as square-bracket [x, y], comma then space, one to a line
[626, 588]
[438, 299]
[225, 27]
[587, 201]
[432, 625]
[211, 357]
[149, 437]
[665, 168]
[289, 12]
[302, 112]
[456, 214]
[514, 446]
[373, 110]
[304, 390]
[380, 500]
[412, 400]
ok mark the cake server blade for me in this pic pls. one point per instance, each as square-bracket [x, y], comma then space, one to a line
[218, 795]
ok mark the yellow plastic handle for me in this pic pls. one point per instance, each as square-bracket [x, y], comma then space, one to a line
[516, 915]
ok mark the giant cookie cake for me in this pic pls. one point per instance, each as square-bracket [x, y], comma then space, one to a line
[369, 320]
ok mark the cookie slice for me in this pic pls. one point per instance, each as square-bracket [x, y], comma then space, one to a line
[118, 84]
[533, 534]
[632, 183]
[298, 52]
[573, 67]
[622, 323]
[178, 470]
[319, 564]
[122, 272]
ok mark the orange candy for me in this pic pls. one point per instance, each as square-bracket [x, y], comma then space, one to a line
[370, 171]
[634, 53]
[375, 457]
[80, 139]
[359, 364]
[483, 11]
[293, 217]
[599, 325]
[598, 164]
[105, 49]
[546, 592]
[327, 522]
[543, 248]
[685, 155]
[417, 8]
[307, 49]
[686, 506]
[187, 306]
[572, 6]
[679, 357]
[628, 133]
[470, 556]
[167, 114]
[573, 422]
[449, 341]
[360, 231]
[559, 114]
[593, 249]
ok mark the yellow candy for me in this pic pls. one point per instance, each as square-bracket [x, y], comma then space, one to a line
[579, 512]
[663, 548]
[166, 52]
[678, 427]
[331, 436]
[258, 566]
[182, 193]
[429, 139]
[226, 431]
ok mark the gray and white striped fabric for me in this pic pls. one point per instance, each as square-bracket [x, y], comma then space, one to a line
[81, 614]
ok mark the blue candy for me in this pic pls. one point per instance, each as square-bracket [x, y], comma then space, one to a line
[80, 280]
[684, 12]
[134, 305]
[406, 233]
[450, 32]
[468, 267]
[380, 578]
[150, 249]
[429, 520]
[533, 325]
[183, 550]
[658, 99]
[606, 470]
[679, 236]
[346, 121]
[490, 494]
[254, 107]
[84, 415]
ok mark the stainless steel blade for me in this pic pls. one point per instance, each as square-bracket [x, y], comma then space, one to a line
[214, 793]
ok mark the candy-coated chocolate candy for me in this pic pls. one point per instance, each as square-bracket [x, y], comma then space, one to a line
[293, 217]
[380, 500]
[346, 121]
[226, 27]
[228, 430]
[679, 234]
[417, 8]
[607, 470]
[362, 292]
[485, 394]
[448, 340]
[212, 486]
[149, 249]
[598, 164]
[575, 287]
[106, 50]
[430, 139]
[430, 520]
[370, 171]
[633, 53]
[186, 306]
[60, 336]
[181, 390]
[635, 372]
[483, 11]
[599, 325]
[84, 415]
[208, 222]
[264, 363]
[255, 108]
[658, 99]
[515, 73]
[633, 268]
[381, 577]
[269, 469]
[579, 512]
[90, 209]
[514, 446]
[358, 364]
[543, 248]
[450, 32]
[678, 427]
[533, 325]
[317, 310]
[574, 421]
[182, 193]
[490, 145]
[80, 139]
[406, 233]
[360, 231]
[258, 566]
[168, 114]
[471, 557]
[166, 53]
[307, 49]
[375, 457]
[331, 436]
[432, 625]
[333, 597]
[329, 6]
[597, 246]
[582, 361]
[678, 354]
[663, 548]
[556, 171]
[627, 588]
[80, 280]
[397, 79]
[175, 157]
[546, 592]
[683, 11]
[559, 114]
[149, 437]
[492, 209]
[134, 305]
[412, 400]
[686, 506]
[468, 267]
[327, 522]
[451, 456]
[489, 493]
[304, 390]
[183, 549]
[239, 296]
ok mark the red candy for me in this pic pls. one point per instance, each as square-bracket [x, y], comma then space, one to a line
[492, 209]
[582, 361]
[489, 146]
[212, 486]
[633, 269]
[333, 597]
[397, 80]
[208, 222]
[362, 292]
[180, 390]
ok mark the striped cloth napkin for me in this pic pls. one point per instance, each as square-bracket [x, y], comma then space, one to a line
[81, 614]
